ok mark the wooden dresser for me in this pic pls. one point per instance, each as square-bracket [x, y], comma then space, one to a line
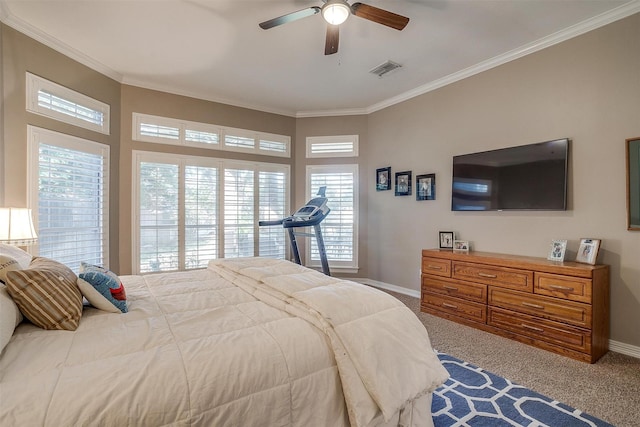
[558, 306]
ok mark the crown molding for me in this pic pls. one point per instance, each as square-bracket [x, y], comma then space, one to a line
[25, 28]
[327, 113]
[601, 20]
[172, 90]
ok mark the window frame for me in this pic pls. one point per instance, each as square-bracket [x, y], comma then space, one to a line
[34, 134]
[221, 131]
[221, 164]
[341, 266]
[34, 84]
[319, 141]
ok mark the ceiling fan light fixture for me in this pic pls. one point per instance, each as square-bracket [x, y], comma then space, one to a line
[335, 12]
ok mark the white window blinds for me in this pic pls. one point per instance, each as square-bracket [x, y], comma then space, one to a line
[239, 219]
[166, 130]
[201, 215]
[194, 209]
[71, 197]
[339, 228]
[158, 216]
[332, 146]
[273, 197]
[58, 102]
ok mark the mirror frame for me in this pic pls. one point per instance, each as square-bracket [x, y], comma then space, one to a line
[633, 172]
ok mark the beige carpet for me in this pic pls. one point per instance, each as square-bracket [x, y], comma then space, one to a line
[608, 389]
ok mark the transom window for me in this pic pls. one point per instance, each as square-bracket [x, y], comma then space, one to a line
[332, 146]
[60, 103]
[165, 130]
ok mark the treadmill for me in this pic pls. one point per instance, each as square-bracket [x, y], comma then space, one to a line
[309, 215]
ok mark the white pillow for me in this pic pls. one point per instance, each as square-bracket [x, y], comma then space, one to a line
[96, 298]
[23, 258]
[10, 317]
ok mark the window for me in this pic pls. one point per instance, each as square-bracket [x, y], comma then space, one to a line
[201, 215]
[272, 187]
[158, 212]
[340, 227]
[70, 196]
[58, 102]
[165, 130]
[239, 221]
[332, 146]
[193, 209]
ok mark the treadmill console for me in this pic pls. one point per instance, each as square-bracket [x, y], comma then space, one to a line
[315, 206]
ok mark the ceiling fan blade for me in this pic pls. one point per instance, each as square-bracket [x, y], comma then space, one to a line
[333, 38]
[380, 16]
[289, 17]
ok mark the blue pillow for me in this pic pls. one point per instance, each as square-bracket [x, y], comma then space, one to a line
[107, 284]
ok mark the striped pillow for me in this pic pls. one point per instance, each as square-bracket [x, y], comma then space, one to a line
[47, 294]
[7, 264]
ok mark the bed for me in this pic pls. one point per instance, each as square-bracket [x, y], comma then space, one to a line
[245, 342]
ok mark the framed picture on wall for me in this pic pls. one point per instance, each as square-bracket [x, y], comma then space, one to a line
[588, 251]
[426, 187]
[403, 183]
[383, 179]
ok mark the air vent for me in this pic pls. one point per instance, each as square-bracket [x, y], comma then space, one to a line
[385, 68]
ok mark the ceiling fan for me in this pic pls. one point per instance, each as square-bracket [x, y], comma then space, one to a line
[335, 12]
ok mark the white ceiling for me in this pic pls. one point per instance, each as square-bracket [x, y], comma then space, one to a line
[214, 49]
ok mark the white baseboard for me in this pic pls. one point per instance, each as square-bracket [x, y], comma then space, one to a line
[388, 287]
[618, 347]
[622, 348]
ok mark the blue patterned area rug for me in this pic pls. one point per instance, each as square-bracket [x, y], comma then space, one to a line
[474, 397]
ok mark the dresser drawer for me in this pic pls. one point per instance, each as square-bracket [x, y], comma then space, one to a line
[436, 266]
[567, 287]
[497, 276]
[541, 306]
[469, 291]
[540, 329]
[467, 309]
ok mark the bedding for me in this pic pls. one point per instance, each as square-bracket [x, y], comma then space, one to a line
[249, 342]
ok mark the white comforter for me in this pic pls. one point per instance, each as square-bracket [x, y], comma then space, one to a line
[382, 350]
[196, 349]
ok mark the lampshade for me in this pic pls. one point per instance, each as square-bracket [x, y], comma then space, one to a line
[16, 227]
[335, 12]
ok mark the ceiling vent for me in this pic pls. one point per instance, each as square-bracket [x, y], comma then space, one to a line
[385, 68]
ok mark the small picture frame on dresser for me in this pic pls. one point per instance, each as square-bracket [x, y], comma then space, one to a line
[461, 245]
[557, 250]
[446, 239]
[588, 251]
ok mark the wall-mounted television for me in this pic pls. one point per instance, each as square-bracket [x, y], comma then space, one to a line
[526, 177]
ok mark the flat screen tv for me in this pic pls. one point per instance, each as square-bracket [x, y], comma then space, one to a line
[527, 177]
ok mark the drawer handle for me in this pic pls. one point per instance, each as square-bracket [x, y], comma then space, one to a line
[490, 276]
[434, 267]
[444, 304]
[528, 304]
[533, 328]
[450, 288]
[560, 288]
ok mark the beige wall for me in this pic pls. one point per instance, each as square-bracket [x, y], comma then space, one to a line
[2, 128]
[21, 54]
[587, 89]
